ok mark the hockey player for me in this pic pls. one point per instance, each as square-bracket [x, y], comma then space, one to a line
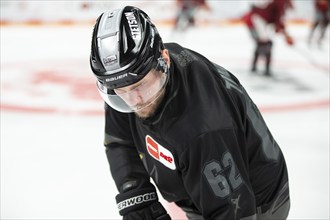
[258, 21]
[188, 123]
[187, 12]
[322, 19]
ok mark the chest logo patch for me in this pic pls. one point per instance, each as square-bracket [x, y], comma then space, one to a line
[160, 153]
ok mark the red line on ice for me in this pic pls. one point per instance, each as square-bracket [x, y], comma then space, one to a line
[264, 109]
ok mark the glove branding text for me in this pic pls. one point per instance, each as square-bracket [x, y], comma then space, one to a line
[137, 200]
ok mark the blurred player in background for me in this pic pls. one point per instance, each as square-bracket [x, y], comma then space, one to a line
[321, 20]
[186, 16]
[261, 22]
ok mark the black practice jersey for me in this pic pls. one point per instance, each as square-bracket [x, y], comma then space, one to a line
[207, 147]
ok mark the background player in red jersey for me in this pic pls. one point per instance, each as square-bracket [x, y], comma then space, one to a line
[258, 21]
[321, 20]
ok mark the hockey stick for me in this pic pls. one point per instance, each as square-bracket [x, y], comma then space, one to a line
[310, 59]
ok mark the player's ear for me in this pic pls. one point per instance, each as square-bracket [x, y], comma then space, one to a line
[166, 56]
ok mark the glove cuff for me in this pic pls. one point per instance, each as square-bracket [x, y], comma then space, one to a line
[135, 199]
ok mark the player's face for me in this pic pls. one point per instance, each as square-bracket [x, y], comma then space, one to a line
[144, 96]
[151, 108]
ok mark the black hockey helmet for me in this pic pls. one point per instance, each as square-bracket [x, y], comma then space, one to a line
[125, 46]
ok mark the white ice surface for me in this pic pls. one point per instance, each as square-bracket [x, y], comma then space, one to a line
[53, 164]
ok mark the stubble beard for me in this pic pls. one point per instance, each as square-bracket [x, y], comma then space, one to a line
[150, 110]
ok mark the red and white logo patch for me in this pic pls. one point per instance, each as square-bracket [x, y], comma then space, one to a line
[160, 153]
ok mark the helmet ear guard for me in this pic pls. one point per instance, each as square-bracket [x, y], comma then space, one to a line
[162, 65]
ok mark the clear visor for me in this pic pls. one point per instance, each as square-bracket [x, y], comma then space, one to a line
[137, 96]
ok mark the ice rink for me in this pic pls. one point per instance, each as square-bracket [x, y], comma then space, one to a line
[53, 164]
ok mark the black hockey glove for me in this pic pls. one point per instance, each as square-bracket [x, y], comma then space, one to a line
[141, 204]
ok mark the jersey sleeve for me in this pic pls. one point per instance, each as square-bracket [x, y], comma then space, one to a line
[278, 13]
[267, 172]
[125, 163]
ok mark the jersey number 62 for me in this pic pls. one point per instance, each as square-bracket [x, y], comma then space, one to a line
[222, 183]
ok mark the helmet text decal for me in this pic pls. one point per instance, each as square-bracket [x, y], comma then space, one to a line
[133, 25]
[116, 77]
